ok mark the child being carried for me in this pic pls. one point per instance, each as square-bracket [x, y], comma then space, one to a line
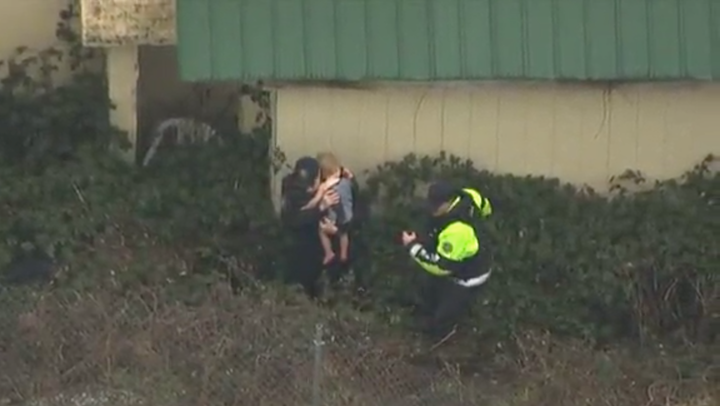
[342, 213]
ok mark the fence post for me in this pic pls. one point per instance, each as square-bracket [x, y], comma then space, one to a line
[318, 344]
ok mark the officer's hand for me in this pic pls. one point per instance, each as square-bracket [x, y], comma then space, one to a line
[327, 226]
[326, 185]
[408, 238]
[330, 198]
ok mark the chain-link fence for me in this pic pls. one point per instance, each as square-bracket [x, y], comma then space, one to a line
[263, 348]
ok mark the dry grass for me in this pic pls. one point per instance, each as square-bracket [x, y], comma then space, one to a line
[257, 349]
[569, 373]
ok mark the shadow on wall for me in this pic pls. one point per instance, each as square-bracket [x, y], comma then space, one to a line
[163, 95]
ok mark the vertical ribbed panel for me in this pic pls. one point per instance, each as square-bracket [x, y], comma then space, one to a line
[431, 40]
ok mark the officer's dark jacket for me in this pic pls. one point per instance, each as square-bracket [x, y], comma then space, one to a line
[295, 196]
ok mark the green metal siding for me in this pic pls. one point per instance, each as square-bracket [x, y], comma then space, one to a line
[433, 40]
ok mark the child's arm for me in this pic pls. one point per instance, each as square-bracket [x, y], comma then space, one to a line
[320, 193]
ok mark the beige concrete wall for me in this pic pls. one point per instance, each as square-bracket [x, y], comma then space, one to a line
[32, 24]
[579, 133]
[143, 81]
[29, 23]
[122, 76]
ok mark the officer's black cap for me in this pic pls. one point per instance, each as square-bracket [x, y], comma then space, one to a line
[440, 193]
[307, 170]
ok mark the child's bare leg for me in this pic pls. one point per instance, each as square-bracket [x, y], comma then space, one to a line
[344, 246]
[329, 255]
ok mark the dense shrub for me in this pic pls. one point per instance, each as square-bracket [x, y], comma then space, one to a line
[137, 248]
[204, 212]
[640, 265]
[65, 192]
[566, 259]
[597, 266]
[42, 116]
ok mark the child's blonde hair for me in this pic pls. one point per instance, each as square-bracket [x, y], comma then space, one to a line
[329, 163]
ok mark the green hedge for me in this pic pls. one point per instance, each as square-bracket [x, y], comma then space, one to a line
[565, 259]
[570, 259]
[635, 265]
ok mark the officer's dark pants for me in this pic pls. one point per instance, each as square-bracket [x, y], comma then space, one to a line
[305, 263]
[445, 303]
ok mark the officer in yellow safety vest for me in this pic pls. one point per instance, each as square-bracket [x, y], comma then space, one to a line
[452, 253]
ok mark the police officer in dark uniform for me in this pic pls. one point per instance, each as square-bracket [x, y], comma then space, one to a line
[453, 253]
[304, 202]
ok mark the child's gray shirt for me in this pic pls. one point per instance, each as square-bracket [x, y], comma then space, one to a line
[345, 193]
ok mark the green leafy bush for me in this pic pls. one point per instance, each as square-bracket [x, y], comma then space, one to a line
[207, 211]
[65, 192]
[566, 259]
[639, 265]
[43, 116]
[569, 259]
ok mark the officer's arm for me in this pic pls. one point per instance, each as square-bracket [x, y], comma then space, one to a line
[429, 259]
[480, 202]
[306, 216]
[434, 260]
[297, 212]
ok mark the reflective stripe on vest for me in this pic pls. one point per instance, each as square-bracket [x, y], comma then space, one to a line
[482, 203]
[473, 282]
